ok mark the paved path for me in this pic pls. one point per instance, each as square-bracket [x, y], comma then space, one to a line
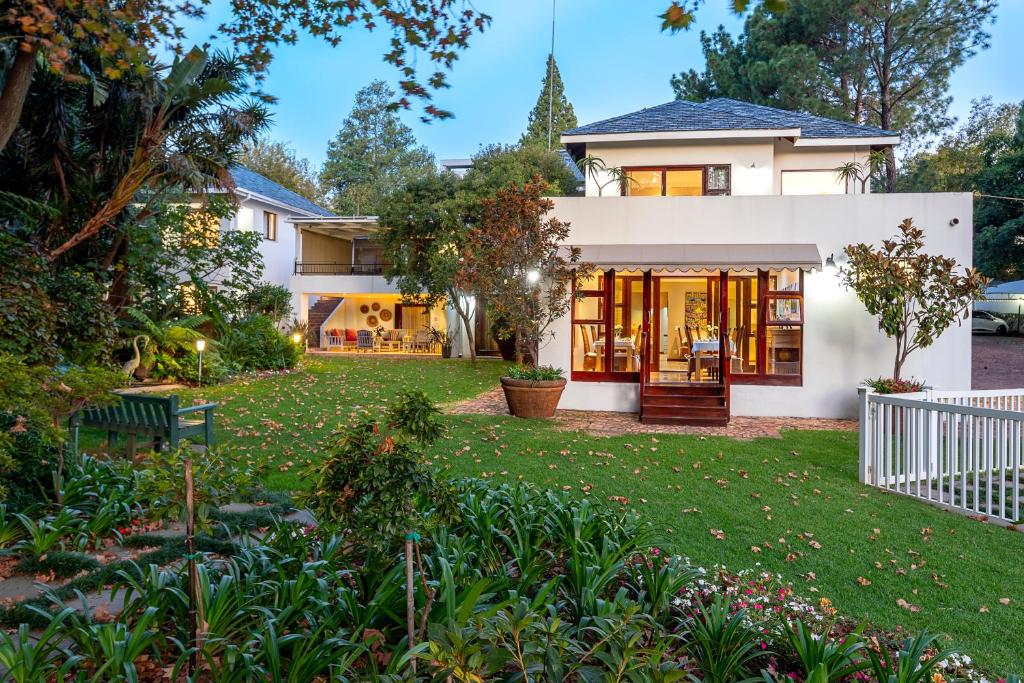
[997, 362]
[599, 423]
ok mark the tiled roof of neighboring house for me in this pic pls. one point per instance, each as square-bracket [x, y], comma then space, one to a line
[254, 182]
[725, 114]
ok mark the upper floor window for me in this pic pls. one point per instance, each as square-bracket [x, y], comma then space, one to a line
[270, 226]
[812, 182]
[677, 181]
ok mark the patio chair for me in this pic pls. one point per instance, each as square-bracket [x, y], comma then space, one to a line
[392, 340]
[364, 340]
[691, 358]
[422, 341]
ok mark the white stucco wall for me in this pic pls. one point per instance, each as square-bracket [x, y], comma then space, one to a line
[842, 344]
[278, 255]
[756, 164]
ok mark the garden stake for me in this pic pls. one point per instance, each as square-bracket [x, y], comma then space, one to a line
[193, 576]
[410, 595]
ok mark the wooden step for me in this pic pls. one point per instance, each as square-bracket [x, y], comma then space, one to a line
[684, 390]
[687, 412]
[686, 421]
[683, 400]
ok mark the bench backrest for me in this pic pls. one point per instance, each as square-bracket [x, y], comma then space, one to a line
[157, 413]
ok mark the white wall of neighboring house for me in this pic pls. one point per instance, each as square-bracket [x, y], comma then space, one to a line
[842, 343]
[756, 165]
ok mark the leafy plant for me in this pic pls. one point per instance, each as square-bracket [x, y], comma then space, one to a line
[254, 343]
[913, 663]
[48, 532]
[27, 657]
[376, 483]
[722, 643]
[887, 385]
[220, 476]
[540, 373]
[10, 528]
[825, 659]
[914, 295]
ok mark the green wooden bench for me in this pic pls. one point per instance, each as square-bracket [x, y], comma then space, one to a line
[154, 418]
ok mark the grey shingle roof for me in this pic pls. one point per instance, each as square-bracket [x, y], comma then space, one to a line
[725, 114]
[567, 158]
[254, 182]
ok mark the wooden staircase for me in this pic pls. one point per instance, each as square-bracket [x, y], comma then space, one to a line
[685, 404]
[318, 313]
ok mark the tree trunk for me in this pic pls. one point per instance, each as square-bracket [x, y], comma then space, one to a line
[12, 99]
[463, 314]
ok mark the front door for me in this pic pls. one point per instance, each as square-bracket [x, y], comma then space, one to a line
[684, 322]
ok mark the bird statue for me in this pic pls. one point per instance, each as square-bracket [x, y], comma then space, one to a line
[133, 364]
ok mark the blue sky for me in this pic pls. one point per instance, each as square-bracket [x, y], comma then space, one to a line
[612, 56]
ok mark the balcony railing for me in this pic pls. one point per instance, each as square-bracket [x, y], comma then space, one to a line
[337, 268]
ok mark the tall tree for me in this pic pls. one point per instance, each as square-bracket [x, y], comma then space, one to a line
[880, 62]
[125, 35]
[425, 233]
[552, 105]
[279, 162]
[373, 155]
[495, 167]
[999, 214]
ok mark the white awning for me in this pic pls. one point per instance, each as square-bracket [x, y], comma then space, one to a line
[684, 257]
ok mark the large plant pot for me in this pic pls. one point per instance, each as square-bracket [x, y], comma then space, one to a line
[507, 347]
[528, 398]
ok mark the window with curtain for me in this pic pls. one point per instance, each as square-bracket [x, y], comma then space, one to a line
[677, 181]
[270, 226]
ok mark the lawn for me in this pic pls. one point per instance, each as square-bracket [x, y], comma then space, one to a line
[792, 505]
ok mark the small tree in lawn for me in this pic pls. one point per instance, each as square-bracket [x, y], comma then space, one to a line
[915, 296]
[425, 232]
[516, 260]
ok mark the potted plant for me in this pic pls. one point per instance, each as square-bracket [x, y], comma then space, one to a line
[441, 338]
[504, 338]
[533, 391]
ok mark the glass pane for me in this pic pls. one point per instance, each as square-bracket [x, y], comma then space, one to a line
[684, 183]
[784, 310]
[629, 311]
[812, 182]
[643, 183]
[589, 308]
[784, 281]
[784, 347]
[743, 323]
[718, 179]
[588, 348]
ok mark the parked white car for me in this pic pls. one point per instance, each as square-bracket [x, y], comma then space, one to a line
[983, 321]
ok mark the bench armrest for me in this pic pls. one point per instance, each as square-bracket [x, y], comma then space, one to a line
[195, 409]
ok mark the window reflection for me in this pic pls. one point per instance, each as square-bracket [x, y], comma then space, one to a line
[684, 182]
[643, 183]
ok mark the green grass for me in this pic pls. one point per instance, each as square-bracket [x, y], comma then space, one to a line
[796, 499]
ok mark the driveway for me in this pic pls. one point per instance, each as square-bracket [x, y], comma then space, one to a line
[998, 362]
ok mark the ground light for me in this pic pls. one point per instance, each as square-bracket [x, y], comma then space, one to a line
[200, 347]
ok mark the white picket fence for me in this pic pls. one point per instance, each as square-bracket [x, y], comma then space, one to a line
[962, 449]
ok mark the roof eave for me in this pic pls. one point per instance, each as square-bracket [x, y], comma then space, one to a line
[855, 141]
[725, 134]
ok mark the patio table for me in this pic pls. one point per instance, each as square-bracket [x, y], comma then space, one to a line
[707, 349]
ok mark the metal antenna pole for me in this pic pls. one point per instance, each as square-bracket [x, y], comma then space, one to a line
[551, 73]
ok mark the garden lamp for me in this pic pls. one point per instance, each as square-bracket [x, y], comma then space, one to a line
[200, 347]
[533, 276]
[296, 338]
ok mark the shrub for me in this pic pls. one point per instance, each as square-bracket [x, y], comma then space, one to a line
[268, 299]
[254, 343]
[376, 483]
[887, 385]
[540, 373]
[27, 461]
[219, 476]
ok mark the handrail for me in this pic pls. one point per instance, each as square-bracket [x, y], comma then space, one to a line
[338, 268]
[323, 342]
[644, 360]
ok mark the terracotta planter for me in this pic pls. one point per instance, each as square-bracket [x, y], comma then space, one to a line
[527, 398]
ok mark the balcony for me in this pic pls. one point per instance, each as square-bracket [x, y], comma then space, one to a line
[338, 268]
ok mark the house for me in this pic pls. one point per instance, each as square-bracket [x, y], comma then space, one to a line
[331, 265]
[715, 289]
